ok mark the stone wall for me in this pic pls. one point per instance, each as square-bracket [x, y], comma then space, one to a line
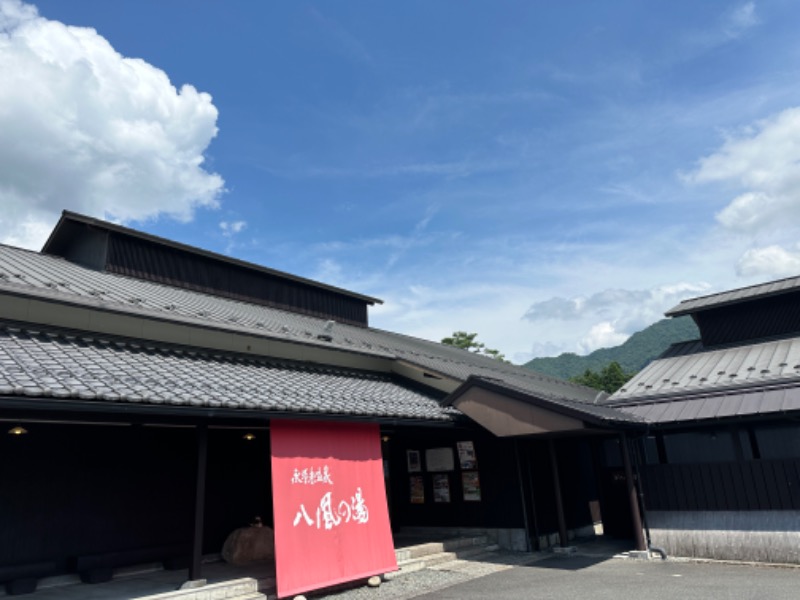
[507, 539]
[761, 536]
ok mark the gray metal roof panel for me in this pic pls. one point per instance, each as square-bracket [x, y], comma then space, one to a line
[717, 406]
[30, 273]
[772, 288]
[689, 367]
[691, 383]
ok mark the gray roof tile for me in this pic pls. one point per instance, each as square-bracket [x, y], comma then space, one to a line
[58, 279]
[50, 363]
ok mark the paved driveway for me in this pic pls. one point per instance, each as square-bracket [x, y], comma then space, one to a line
[583, 577]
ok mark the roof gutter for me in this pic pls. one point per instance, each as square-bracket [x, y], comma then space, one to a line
[181, 413]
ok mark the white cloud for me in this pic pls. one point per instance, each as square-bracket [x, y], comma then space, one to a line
[627, 310]
[761, 164]
[750, 211]
[739, 20]
[764, 163]
[607, 318]
[770, 261]
[230, 231]
[231, 228]
[87, 129]
[601, 335]
[728, 27]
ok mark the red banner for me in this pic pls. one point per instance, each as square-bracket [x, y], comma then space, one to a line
[329, 502]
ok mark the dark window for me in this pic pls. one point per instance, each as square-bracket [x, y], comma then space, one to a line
[782, 441]
[747, 446]
[612, 453]
[700, 447]
[650, 450]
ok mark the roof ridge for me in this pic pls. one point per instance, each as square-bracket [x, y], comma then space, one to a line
[35, 330]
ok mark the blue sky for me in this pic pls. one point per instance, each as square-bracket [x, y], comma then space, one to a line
[553, 176]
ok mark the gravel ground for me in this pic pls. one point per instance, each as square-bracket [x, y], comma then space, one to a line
[593, 574]
[407, 586]
[435, 578]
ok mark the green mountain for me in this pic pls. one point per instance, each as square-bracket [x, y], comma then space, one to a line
[633, 355]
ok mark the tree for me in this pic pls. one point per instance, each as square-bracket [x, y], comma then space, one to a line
[609, 379]
[466, 341]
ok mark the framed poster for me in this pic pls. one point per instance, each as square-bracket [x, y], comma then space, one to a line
[414, 463]
[439, 459]
[417, 489]
[471, 485]
[466, 456]
[441, 487]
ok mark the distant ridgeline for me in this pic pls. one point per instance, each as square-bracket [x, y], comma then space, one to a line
[633, 355]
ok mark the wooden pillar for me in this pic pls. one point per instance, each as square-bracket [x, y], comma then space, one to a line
[562, 523]
[522, 498]
[636, 517]
[534, 519]
[199, 503]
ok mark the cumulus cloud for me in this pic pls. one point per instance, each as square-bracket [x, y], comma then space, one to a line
[772, 261]
[635, 306]
[610, 316]
[87, 129]
[762, 165]
[601, 335]
[763, 162]
[231, 228]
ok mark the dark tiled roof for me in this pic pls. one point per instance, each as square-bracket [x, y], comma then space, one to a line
[773, 288]
[32, 273]
[690, 382]
[50, 363]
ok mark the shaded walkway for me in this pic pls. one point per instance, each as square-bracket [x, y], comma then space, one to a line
[132, 584]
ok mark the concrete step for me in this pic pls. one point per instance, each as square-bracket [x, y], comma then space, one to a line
[245, 588]
[451, 545]
[421, 556]
[429, 560]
